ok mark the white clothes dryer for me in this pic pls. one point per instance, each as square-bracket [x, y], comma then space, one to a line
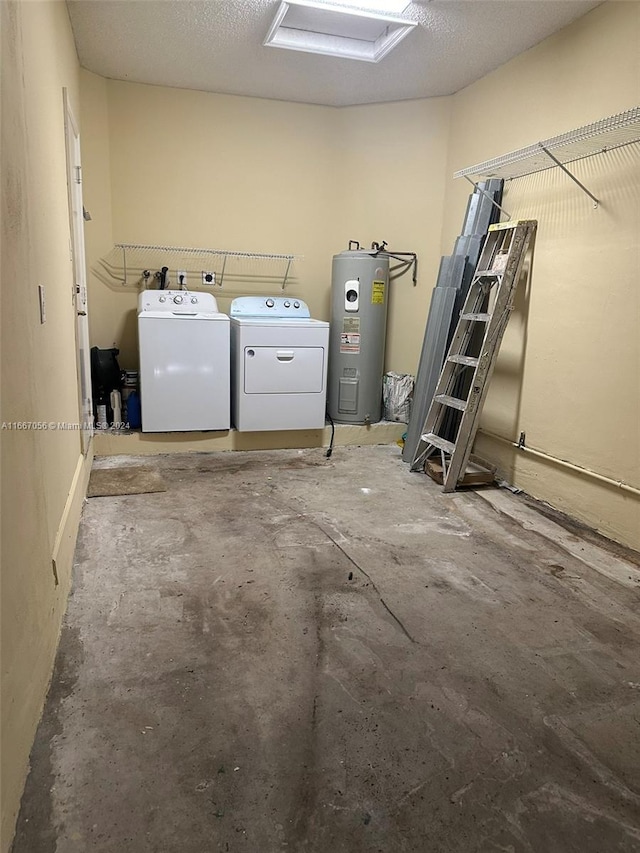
[184, 362]
[278, 365]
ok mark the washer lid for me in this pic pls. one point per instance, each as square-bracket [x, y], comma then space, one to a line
[267, 307]
[183, 315]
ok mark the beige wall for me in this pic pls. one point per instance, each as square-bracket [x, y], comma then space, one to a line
[568, 374]
[391, 187]
[194, 169]
[42, 472]
[210, 171]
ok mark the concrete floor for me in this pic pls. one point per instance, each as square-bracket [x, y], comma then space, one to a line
[287, 653]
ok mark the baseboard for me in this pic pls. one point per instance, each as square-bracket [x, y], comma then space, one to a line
[65, 541]
[110, 443]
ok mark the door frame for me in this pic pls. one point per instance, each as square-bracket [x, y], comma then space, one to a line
[79, 271]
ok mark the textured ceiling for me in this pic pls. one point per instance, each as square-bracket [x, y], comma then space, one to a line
[216, 46]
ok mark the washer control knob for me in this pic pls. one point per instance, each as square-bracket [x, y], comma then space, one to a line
[162, 299]
[287, 304]
[178, 299]
[296, 304]
[194, 300]
[270, 303]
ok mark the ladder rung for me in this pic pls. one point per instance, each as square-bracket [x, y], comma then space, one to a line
[436, 441]
[488, 274]
[464, 359]
[480, 318]
[451, 402]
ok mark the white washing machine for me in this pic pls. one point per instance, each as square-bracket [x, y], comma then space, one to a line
[184, 362]
[278, 364]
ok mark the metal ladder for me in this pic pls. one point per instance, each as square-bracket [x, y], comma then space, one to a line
[474, 347]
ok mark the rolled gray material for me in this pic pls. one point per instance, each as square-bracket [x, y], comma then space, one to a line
[452, 285]
[434, 349]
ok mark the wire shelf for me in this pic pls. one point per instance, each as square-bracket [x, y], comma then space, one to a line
[221, 252]
[136, 262]
[604, 135]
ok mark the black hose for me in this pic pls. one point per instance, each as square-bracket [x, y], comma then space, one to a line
[333, 432]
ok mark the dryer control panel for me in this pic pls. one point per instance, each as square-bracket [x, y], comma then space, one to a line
[177, 302]
[269, 306]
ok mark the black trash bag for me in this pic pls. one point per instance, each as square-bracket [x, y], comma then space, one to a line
[106, 377]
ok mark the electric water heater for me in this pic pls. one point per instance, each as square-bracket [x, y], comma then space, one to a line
[359, 300]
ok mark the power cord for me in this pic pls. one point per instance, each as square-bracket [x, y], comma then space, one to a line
[333, 432]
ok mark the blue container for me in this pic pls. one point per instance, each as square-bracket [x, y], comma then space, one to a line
[134, 413]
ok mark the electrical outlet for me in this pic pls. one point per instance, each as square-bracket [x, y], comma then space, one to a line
[181, 278]
[208, 277]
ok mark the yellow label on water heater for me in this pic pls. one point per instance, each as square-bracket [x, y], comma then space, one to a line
[377, 293]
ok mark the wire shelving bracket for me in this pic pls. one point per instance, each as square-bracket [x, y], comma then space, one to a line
[558, 151]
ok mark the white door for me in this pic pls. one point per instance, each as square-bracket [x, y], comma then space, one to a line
[76, 217]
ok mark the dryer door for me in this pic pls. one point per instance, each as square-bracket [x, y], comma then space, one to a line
[283, 370]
